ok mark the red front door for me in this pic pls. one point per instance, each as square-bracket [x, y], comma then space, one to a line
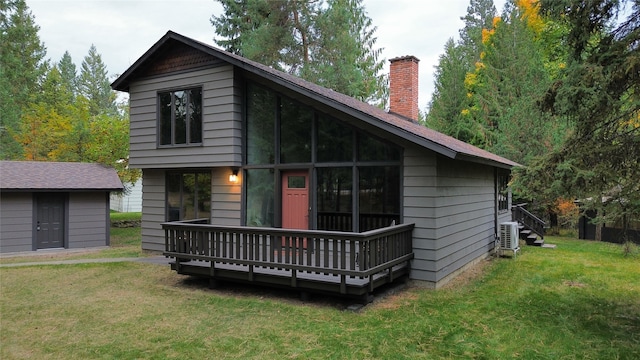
[295, 202]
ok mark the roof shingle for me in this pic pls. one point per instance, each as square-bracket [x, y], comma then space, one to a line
[39, 175]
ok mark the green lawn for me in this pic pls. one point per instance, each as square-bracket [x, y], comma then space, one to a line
[579, 301]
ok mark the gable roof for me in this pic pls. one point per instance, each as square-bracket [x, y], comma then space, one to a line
[57, 176]
[389, 122]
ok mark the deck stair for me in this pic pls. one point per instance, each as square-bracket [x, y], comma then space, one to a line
[531, 228]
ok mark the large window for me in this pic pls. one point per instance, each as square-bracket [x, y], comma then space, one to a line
[335, 199]
[188, 195]
[260, 197]
[180, 117]
[356, 175]
[379, 188]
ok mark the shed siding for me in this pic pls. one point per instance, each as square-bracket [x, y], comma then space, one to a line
[88, 224]
[221, 121]
[16, 217]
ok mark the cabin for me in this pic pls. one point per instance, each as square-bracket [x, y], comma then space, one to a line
[254, 175]
[54, 205]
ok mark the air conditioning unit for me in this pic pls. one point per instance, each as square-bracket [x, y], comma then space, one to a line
[509, 237]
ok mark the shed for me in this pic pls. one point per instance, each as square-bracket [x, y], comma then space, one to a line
[45, 205]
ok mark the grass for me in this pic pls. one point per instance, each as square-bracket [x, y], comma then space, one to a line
[579, 301]
[124, 242]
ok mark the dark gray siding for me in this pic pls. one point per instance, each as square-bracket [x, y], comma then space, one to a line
[153, 209]
[225, 198]
[420, 191]
[221, 144]
[452, 204]
[16, 216]
[88, 224]
[466, 215]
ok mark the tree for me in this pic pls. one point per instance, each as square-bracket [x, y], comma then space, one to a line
[599, 92]
[355, 69]
[329, 42]
[94, 84]
[450, 95]
[508, 84]
[450, 98]
[480, 16]
[22, 66]
[68, 73]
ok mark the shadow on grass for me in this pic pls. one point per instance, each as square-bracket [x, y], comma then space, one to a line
[292, 296]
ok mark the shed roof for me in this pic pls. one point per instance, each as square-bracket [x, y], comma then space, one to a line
[392, 123]
[57, 176]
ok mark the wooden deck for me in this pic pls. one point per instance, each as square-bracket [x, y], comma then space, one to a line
[350, 264]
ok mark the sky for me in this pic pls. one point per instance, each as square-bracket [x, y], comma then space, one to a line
[123, 30]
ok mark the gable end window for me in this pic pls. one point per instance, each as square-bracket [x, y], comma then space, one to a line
[180, 117]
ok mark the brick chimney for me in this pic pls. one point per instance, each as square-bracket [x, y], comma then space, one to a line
[403, 86]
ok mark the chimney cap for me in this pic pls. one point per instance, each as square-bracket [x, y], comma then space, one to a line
[404, 58]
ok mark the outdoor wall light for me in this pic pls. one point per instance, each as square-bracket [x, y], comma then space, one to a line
[233, 177]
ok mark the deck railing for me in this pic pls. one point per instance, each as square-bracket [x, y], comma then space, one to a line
[343, 254]
[530, 221]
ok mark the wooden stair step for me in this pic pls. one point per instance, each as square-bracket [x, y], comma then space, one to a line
[538, 242]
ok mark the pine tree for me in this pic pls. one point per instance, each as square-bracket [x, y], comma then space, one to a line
[329, 42]
[22, 66]
[599, 92]
[448, 111]
[94, 84]
[68, 73]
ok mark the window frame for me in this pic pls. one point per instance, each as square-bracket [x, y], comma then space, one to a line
[196, 209]
[502, 191]
[188, 142]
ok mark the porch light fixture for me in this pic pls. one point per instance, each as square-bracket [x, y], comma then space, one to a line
[233, 177]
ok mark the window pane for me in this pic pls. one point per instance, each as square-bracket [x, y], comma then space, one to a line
[334, 196]
[195, 116]
[165, 118]
[335, 140]
[260, 196]
[371, 149]
[188, 196]
[379, 199]
[295, 132]
[261, 106]
[296, 182]
[180, 100]
[204, 196]
[173, 197]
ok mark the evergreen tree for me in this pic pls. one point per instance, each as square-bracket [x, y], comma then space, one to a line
[329, 42]
[509, 83]
[22, 66]
[94, 84]
[450, 95]
[355, 69]
[69, 73]
[599, 92]
[480, 16]
[449, 100]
